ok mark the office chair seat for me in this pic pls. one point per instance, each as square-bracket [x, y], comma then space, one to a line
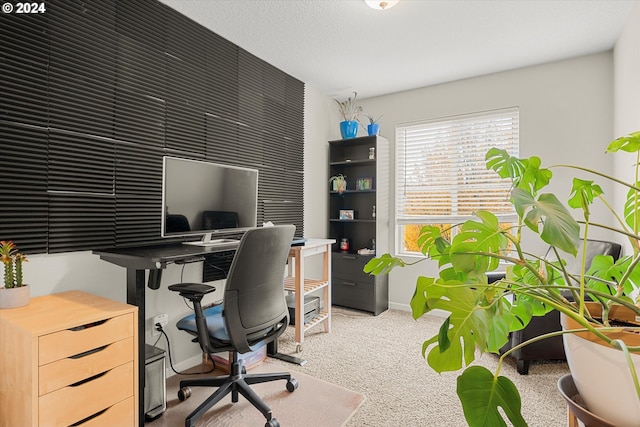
[254, 313]
[216, 327]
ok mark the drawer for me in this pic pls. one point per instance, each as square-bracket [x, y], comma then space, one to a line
[85, 399]
[351, 266]
[70, 342]
[351, 293]
[122, 414]
[71, 370]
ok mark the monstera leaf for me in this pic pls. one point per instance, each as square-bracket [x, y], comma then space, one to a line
[583, 193]
[505, 165]
[472, 323]
[382, 265]
[629, 143]
[524, 173]
[476, 239]
[481, 394]
[548, 217]
[433, 244]
[632, 209]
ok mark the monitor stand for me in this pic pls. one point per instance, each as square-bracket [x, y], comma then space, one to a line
[208, 241]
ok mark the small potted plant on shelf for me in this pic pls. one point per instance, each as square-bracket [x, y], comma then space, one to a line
[373, 128]
[481, 315]
[339, 183]
[14, 293]
[349, 112]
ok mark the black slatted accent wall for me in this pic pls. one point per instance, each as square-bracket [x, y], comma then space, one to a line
[94, 94]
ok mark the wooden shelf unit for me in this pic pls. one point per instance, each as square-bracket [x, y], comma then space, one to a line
[298, 283]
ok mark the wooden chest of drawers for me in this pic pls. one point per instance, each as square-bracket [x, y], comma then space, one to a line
[69, 358]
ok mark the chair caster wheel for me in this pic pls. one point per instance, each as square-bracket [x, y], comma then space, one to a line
[272, 423]
[292, 384]
[244, 370]
[184, 393]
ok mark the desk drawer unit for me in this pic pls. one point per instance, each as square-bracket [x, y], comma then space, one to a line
[78, 362]
[354, 288]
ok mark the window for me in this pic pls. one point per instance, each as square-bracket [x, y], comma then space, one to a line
[441, 174]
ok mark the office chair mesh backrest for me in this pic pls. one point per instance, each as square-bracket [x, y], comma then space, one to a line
[254, 295]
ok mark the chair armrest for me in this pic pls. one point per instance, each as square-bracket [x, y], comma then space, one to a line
[192, 288]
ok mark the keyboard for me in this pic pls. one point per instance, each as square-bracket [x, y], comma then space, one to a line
[298, 241]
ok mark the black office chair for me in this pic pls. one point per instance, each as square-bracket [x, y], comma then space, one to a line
[177, 223]
[254, 313]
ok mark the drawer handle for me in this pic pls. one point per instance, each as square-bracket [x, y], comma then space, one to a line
[86, 380]
[353, 257]
[89, 418]
[88, 325]
[350, 283]
[88, 352]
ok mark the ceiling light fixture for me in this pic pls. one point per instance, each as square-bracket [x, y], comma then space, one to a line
[380, 4]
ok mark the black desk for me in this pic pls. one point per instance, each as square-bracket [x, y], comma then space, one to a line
[153, 258]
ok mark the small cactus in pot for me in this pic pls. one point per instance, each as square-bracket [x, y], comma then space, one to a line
[12, 261]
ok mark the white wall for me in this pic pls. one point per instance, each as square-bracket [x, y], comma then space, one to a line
[626, 57]
[82, 270]
[317, 131]
[565, 117]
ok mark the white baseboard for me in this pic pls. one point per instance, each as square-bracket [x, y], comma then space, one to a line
[406, 307]
[184, 365]
[398, 306]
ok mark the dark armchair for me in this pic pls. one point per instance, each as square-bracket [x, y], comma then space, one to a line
[254, 313]
[552, 348]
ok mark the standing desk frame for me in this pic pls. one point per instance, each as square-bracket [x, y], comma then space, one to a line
[137, 260]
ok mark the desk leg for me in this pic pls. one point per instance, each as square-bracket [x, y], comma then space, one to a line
[327, 289]
[298, 274]
[272, 347]
[135, 296]
[272, 351]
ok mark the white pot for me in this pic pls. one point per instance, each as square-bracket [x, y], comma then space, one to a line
[602, 377]
[14, 297]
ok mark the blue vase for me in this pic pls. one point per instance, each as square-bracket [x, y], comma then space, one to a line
[348, 129]
[373, 129]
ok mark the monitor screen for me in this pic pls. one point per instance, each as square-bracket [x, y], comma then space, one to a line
[207, 199]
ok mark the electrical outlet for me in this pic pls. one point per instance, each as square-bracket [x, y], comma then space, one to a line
[161, 319]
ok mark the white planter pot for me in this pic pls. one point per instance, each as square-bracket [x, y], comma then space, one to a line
[602, 377]
[14, 297]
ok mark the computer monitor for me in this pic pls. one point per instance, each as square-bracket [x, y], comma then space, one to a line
[207, 199]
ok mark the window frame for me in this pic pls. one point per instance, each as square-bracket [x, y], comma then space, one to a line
[511, 114]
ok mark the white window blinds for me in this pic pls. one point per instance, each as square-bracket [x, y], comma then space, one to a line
[441, 174]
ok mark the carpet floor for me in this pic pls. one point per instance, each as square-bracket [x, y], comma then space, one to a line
[381, 357]
[305, 407]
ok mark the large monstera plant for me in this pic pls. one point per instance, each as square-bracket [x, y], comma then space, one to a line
[482, 314]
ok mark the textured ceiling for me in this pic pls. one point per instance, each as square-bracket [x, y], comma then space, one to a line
[340, 46]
